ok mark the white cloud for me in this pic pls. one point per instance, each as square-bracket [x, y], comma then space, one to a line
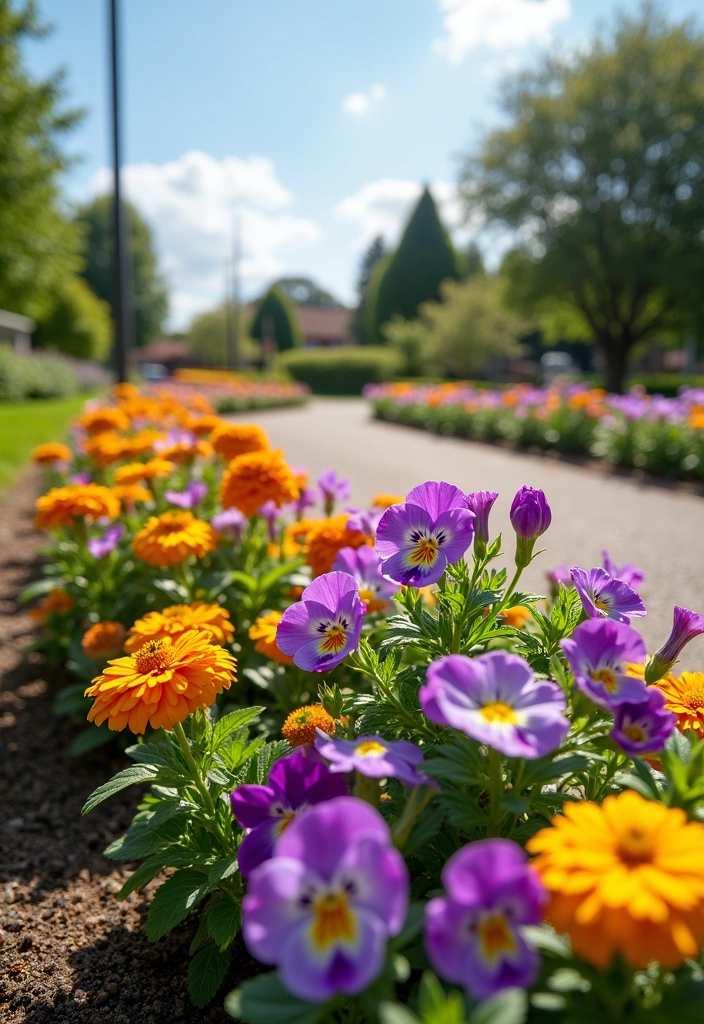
[498, 25]
[191, 203]
[358, 104]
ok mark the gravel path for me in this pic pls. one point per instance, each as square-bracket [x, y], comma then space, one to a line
[660, 529]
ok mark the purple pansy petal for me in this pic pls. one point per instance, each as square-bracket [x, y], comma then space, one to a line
[644, 727]
[598, 653]
[604, 597]
[251, 804]
[329, 589]
[401, 569]
[271, 910]
[436, 497]
[257, 846]
[397, 526]
[457, 527]
[379, 878]
[101, 546]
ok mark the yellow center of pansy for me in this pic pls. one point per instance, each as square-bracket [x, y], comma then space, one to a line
[635, 732]
[603, 605]
[497, 711]
[153, 656]
[607, 677]
[333, 921]
[495, 936]
[425, 551]
[370, 748]
[334, 639]
[366, 594]
[694, 699]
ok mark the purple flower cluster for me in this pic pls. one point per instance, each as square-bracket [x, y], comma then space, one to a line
[374, 757]
[602, 596]
[193, 494]
[364, 565]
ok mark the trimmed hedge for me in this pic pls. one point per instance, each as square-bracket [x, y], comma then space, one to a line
[40, 375]
[339, 371]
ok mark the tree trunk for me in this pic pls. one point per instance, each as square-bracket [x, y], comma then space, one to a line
[615, 352]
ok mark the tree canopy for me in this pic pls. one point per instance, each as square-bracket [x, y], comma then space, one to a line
[79, 323]
[275, 319]
[306, 292]
[413, 274]
[359, 323]
[149, 296]
[600, 173]
[208, 337]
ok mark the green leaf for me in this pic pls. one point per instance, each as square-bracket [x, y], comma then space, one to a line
[412, 927]
[174, 900]
[508, 1007]
[392, 1013]
[224, 920]
[91, 739]
[232, 722]
[144, 874]
[264, 1000]
[152, 753]
[222, 869]
[37, 589]
[128, 777]
[206, 972]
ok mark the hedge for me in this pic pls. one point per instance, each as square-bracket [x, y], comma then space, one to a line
[339, 371]
[40, 375]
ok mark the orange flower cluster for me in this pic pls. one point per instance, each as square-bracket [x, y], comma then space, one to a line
[253, 479]
[684, 695]
[103, 640]
[138, 472]
[178, 619]
[100, 421]
[173, 537]
[326, 537]
[47, 454]
[62, 505]
[230, 440]
[264, 632]
[301, 725]
[56, 602]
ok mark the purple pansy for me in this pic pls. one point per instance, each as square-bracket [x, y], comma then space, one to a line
[481, 503]
[364, 520]
[325, 625]
[324, 906]
[559, 575]
[231, 522]
[685, 626]
[374, 757]
[643, 728]
[101, 546]
[333, 489]
[177, 436]
[496, 700]
[193, 494]
[473, 935]
[295, 783]
[419, 538]
[598, 653]
[629, 573]
[364, 564]
[604, 597]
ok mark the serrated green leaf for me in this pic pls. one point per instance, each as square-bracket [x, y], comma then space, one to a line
[152, 753]
[223, 919]
[232, 722]
[127, 777]
[174, 900]
[222, 869]
[144, 874]
[206, 973]
[264, 1000]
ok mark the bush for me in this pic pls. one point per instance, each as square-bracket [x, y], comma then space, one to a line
[78, 325]
[340, 371]
[39, 375]
[276, 319]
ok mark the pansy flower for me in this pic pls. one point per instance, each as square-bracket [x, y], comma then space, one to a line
[101, 546]
[374, 757]
[325, 625]
[643, 728]
[420, 538]
[193, 494]
[333, 488]
[599, 653]
[629, 573]
[364, 565]
[603, 596]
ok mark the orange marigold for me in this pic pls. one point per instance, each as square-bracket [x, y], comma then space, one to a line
[100, 421]
[516, 616]
[387, 500]
[625, 877]
[172, 538]
[684, 695]
[328, 536]
[300, 725]
[202, 426]
[264, 632]
[161, 683]
[125, 392]
[137, 472]
[130, 494]
[253, 479]
[233, 439]
[52, 452]
[56, 602]
[295, 536]
[75, 501]
[178, 619]
[186, 451]
[103, 640]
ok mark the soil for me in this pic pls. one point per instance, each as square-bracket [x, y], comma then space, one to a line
[68, 950]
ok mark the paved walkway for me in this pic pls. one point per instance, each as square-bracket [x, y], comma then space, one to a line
[660, 530]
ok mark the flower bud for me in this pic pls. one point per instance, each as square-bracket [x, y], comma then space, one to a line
[530, 517]
[481, 503]
[685, 626]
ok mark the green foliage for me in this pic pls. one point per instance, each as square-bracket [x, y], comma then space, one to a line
[264, 1000]
[340, 371]
[206, 973]
[39, 375]
[413, 344]
[79, 324]
[209, 333]
[40, 248]
[24, 425]
[359, 326]
[275, 319]
[600, 167]
[149, 296]
[413, 274]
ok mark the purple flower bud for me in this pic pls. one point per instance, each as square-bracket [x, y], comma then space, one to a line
[270, 513]
[194, 493]
[101, 546]
[530, 517]
[231, 521]
[685, 626]
[481, 503]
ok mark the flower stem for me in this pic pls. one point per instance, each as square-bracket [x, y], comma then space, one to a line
[417, 801]
[367, 789]
[496, 792]
[194, 770]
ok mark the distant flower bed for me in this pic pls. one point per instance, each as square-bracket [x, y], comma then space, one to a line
[660, 435]
[230, 392]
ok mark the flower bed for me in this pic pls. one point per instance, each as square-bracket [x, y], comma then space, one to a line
[660, 435]
[230, 392]
[419, 792]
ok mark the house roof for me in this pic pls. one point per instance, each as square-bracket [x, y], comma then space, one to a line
[163, 350]
[324, 324]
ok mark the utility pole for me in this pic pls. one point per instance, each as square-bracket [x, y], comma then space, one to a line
[121, 304]
[235, 296]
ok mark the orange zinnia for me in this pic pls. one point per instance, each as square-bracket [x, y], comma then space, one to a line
[52, 452]
[160, 684]
[178, 619]
[75, 501]
[172, 538]
[301, 725]
[625, 877]
[684, 695]
[56, 602]
[100, 421]
[256, 478]
[130, 494]
[263, 630]
[137, 472]
[103, 640]
[233, 439]
[326, 537]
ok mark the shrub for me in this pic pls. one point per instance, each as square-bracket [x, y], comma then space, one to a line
[276, 318]
[340, 371]
[79, 324]
[39, 375]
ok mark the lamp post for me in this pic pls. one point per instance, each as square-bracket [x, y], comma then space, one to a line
[121, 304]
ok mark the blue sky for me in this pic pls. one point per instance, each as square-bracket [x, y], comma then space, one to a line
[313, 121]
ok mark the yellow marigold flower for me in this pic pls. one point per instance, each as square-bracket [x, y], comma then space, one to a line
[684, 695]
[300, 725]
[387, 500]
[178, 619]
[172, 538]
[75, 501]
[130, 494]
[52, 452]
[103, 640]
[105, 449]
[253, 479]
[56, 602]
[138, 472]
[161, 683]
[516, 616]
[264, 632]
[100, 421]
[625, 877]
[233, 439]
[328, 536]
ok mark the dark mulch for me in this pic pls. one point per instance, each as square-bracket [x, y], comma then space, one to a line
[68, 950]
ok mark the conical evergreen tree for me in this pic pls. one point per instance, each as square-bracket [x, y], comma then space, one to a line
[425, 257]
[275, 319]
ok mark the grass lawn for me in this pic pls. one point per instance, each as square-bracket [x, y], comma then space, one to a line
[26, 424]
